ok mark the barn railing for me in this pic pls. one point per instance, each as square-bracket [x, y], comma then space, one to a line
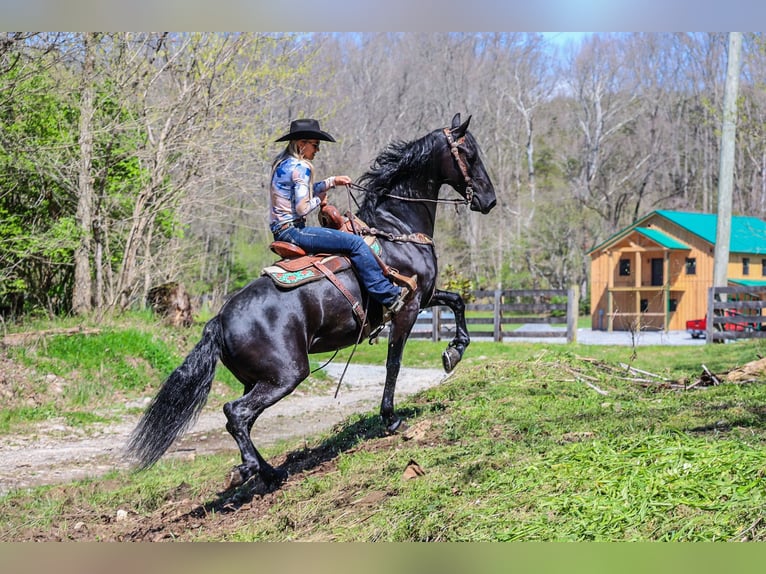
[504, 314]
[737, 313]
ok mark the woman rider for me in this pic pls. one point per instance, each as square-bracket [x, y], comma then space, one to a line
[294, 195]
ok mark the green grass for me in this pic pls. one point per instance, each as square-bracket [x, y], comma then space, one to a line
[83, 377]
[515, 446]
[523, 454]
[10, 418]
[124, 358]
[97, 374]
[131, 357]
[661, 360]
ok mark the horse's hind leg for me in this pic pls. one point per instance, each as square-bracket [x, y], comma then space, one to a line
[241, 415]
[454, 351]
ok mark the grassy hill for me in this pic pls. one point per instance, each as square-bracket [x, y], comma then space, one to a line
[525, 442]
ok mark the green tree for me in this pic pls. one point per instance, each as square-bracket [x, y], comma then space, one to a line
[37, 237]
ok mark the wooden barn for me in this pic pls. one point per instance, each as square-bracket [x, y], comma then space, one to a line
[656, 273]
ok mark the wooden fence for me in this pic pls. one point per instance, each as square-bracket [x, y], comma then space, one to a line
[492, 314]
[739, 316]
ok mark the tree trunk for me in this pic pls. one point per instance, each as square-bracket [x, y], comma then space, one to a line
[171, 301]
[82, 293]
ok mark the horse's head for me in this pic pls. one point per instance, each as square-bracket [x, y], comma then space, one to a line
[464, 169]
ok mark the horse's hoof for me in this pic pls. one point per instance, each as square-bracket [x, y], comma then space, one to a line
[450, 358]
[398, 426]
[236, 478]
[273, 476]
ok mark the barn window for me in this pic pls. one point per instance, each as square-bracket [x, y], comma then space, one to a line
[624, 267]
[763, 267]
[691, 265]
[745, 266]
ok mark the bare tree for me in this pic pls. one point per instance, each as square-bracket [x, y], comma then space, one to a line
[181, 93]
[604, 103]
[82, 291]
[163, 170]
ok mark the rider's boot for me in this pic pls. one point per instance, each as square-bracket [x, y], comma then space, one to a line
[405, 295]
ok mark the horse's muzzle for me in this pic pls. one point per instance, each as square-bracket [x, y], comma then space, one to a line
[477, 205]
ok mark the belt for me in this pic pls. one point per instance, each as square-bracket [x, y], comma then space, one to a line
[299, 223]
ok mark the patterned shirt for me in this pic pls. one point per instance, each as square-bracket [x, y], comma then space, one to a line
[291, 197]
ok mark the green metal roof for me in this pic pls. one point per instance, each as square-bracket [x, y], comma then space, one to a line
[748, 282]
[662, 239]
[748, 234]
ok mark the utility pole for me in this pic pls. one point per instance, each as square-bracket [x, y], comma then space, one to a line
[726, 164]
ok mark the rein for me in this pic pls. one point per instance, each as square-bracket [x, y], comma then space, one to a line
[416, 199]
[364, 229]
[358, 187]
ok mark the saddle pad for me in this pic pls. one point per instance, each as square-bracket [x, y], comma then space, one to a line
[289, 273]
[306, 272]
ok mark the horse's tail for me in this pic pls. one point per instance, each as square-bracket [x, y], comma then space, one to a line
[179, 400]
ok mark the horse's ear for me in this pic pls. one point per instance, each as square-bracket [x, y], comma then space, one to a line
[458, 129]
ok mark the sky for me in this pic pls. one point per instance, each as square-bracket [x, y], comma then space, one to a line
[563, 38]
[374, 15]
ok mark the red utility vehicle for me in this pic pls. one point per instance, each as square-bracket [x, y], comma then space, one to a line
[698, 327]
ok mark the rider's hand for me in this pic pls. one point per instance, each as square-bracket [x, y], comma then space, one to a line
[342, 180]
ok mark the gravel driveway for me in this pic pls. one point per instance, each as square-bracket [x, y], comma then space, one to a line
[55, 453]
[591, 337]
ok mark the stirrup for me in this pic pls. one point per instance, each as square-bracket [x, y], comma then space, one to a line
[403, 281]
[397, 305]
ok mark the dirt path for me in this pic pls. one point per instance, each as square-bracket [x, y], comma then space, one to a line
[56, 453]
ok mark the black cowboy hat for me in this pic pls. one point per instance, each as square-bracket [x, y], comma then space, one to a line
[305, 129]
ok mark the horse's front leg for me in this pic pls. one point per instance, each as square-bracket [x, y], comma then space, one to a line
[454, 351]
[399, 331]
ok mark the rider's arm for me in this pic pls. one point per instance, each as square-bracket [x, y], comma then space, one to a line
[302, 200]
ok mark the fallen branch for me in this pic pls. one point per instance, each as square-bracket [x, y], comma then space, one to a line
[594, 387]
[651, 382]
[577, 373]
[694, 384]
[745, 535]
[711, 375]
[641, 372]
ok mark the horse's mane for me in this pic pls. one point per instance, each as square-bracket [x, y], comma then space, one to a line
[399, 162]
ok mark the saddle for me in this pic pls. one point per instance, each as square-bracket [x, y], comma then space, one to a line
[296, 267]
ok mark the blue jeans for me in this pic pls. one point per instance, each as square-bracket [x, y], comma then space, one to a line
[325, 240]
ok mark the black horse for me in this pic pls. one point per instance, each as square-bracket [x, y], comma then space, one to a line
[264, 334]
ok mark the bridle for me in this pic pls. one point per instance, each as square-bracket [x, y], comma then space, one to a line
[455, 151]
